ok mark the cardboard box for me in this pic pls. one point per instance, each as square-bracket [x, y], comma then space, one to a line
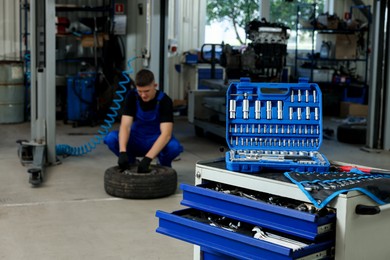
[179, 103]
[353, 109]
[88, 40]
[346, 46]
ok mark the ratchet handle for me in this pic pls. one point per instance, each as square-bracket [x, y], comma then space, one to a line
[367, 210]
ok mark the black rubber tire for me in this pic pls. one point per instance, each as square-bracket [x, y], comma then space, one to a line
[352, 133]
[160, 182]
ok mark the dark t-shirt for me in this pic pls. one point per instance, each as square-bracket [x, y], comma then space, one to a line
[166, 106]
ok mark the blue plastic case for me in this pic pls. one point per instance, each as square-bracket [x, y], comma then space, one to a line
[274, 125]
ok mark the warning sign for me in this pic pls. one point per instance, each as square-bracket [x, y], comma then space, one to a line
[119, 8]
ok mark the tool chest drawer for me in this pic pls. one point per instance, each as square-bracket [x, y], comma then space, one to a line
[281, 214]
[236, 239]
[274, 125]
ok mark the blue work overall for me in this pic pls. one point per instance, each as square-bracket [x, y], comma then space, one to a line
[144, 132]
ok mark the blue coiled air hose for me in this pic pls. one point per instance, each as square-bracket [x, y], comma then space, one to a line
[66, 150]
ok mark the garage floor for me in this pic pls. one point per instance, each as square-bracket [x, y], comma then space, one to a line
[71, 217]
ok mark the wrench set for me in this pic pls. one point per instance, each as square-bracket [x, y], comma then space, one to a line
[247, 229]
[322, 187]
[274, 125]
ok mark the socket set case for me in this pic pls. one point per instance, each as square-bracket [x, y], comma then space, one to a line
[274, 126]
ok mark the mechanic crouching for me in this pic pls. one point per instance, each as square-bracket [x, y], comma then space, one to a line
[146, 127]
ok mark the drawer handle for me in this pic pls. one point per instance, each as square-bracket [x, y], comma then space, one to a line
[370, 210]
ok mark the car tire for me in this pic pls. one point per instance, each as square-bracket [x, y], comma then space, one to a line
[160, 182]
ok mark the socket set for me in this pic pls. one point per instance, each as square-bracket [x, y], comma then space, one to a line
[274, 125]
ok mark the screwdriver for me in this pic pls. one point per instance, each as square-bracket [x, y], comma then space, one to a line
[347, 168]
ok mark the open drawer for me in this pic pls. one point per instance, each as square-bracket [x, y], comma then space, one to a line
[238, 239]
[254, 207]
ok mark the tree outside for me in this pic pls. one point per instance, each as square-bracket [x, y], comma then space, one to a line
[237, 13]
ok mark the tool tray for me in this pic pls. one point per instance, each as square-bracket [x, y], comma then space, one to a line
[274, 125]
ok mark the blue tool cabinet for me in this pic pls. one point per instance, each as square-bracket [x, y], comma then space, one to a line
[342, 234]
[219, 243]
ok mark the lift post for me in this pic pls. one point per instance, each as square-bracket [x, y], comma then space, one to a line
[40, 151]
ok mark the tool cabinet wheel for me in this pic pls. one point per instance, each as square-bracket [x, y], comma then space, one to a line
[160, 182]
[352, 133]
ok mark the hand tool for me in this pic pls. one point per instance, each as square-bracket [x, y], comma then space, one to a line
[292, 96]
[241, 129]
[245, 107]
[316, 116]
[280, 109]
[299, 113]
[265, 129]
[235, 128]
[269, 109]
[291, 113]
[247, 129]
[253, 128]
[307, 113]
[314, 96]
[257, 109]
[299, 95]
[232, 108]
[348, 168]
[307, 95]
[270, 129]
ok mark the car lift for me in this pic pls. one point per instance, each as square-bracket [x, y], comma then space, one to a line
[40, 151]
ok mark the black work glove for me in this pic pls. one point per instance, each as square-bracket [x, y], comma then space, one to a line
[143, 166]
[123, 161]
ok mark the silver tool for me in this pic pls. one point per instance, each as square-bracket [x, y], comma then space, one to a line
[299, 95]
[300, 129]
[312, 130]
[258, 128]
[253, 128]
[288, 129]
[235, 128]
[246, 141]
[270, 129]
[256, 141]
[276, 129]
[257, 109]
[265, 129]
[305, 129]
[294, 129]
[307, 113]
[314, 96]
[316, 113]
[231, 140]
[232, 108]
[242, 141]
[245, 107]
[303, 142]
[280, 110]
[247, 129]
[292, 96]
[284, 142]
[291, 113]
[299, 113]
[318, 130]
[282, 129]
[307, 96]
[269, 110]
[236, 140]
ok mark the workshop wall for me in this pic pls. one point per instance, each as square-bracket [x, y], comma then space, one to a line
[187, 26]
[9, 30]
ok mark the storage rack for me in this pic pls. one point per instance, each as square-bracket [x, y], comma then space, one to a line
[313, 31]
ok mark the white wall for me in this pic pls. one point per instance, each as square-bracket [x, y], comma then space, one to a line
[9, 30]
[190, 22]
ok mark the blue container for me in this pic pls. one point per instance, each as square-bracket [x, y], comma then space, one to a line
[80, 98]
[274, 125]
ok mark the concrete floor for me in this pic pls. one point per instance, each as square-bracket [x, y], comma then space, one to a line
[71, 217]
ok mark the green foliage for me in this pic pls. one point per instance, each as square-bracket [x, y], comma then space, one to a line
[286, 12]
[241, 12]
[238, 12]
